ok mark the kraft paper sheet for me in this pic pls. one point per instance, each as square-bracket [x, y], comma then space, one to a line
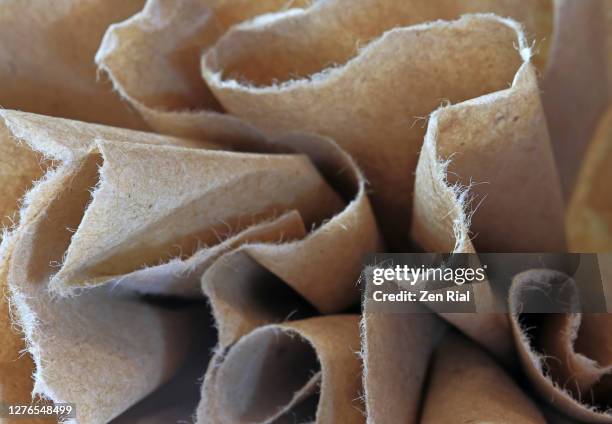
[461, 371]
[46, 59]
[310, 70]
[267, 374]
[471, 130]
[568, 357]
[152, 59]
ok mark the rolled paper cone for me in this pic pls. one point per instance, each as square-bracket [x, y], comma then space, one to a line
[119, 338]
[139, 216]
[461, 371]
[577, 83]
[396, 349]
[565, 374]
[304, 370]
[315, 273]
[100, 352]
[166, 38]
[589, 216]
[472, 157]
[111, 325]
[312, 72]
[57, 76]
[181, 202]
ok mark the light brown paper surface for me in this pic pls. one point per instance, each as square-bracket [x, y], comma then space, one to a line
[564, 372]
[117, 336]
[468, 386]
[577, 83]
[46, 59]
[359, 97]
[396, 352]
[153, 60]
[19, 166]
[180, 201]
[269, 371]
[589, 216]
[472, 191]
[81, 338]
[133, 221]
[320, 270]
[105, 163]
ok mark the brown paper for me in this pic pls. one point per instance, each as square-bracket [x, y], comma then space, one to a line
[486, 177]
[19, 167]
[565, 362]
[262, 283]
[577, 83]
[310, 70]
[270, 373]
[46, 59]
[103, 198]
[468, 386]
[125, 347]
[472, 191]
[396, 351]
[77, 339]
[181, 201]
[589, 216]
[135, 221]
[153, 60]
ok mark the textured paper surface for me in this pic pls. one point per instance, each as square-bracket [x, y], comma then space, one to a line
[46, 59]
[589, 216]
[152, 59]
[112, 333]
[577, 82]
[396, 353]
[104, 164]
[468, 386]
[266, 374]
[568, 359]
[448, 120]
[315, 273]
[466, 195]
[313, 71]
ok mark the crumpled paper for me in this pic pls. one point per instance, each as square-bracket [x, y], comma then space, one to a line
[472, 132]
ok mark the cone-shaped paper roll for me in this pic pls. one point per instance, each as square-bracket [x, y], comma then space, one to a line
[153, 59]
[279, 371]
[279, 74]
[54, 327]
[467, 386]
[486, 171]
[396, 352]
[181, 200]
[100, 352]
[577, 83]
[589, 219]
[112, 327]
[46, 59]
[316, 273]
[561, 358]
